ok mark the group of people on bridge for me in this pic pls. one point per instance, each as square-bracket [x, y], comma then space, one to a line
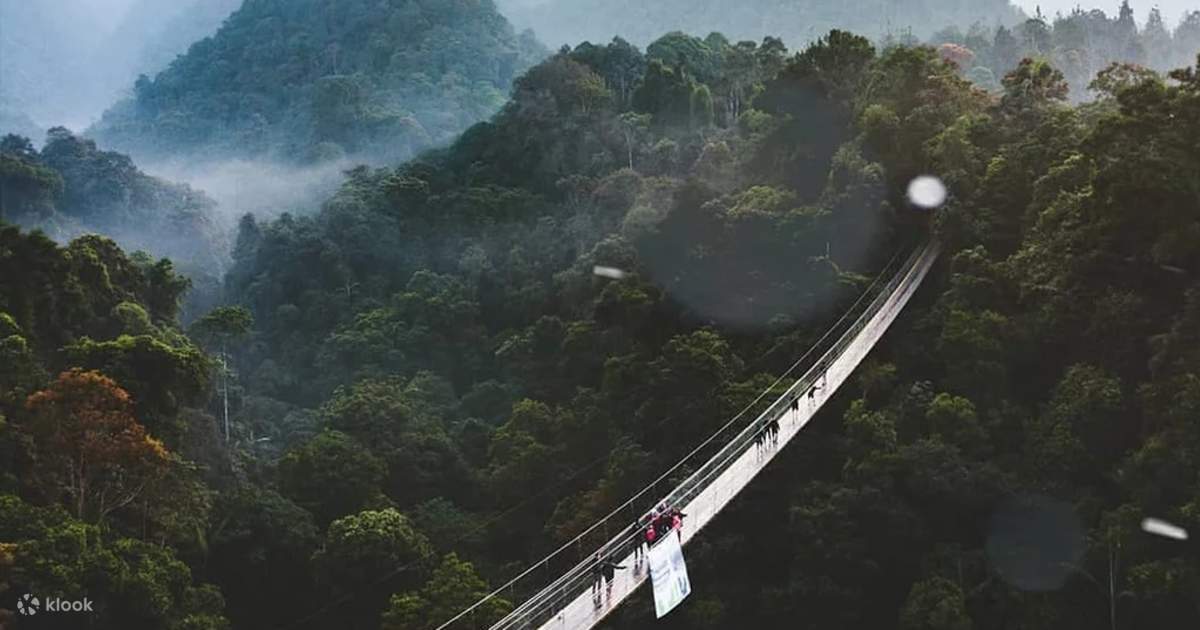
[650, 528]
[662, 520]
[656, 524]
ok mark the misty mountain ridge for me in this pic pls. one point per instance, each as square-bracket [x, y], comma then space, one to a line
[796, 22]
[313, 81]
[65, 63]
[71, 188]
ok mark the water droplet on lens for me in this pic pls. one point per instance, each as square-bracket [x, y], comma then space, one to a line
[927, 192]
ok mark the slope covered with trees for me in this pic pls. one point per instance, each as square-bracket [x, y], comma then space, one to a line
[314, 80]
[70, 187]
[65, 62]
[443, 317]
[153, 33]
[429, 385]
[1079, 44]
[796, 22]
[100, 493]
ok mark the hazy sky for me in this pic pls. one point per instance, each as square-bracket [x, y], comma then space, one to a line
[1171, 10]
[106, 12]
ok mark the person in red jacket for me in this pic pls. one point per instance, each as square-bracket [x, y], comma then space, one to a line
[677, 522]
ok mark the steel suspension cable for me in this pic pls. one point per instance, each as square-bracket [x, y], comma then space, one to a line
[650, 486]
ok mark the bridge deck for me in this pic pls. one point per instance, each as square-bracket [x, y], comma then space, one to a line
[589, 608]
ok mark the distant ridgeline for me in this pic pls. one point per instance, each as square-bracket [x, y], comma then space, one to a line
[1079, 44]
[70, 188]
[313, 80]
[795, 21]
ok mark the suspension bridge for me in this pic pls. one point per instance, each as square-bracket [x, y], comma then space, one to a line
[570, 602]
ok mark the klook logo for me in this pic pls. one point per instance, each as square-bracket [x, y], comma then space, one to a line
[30, 605]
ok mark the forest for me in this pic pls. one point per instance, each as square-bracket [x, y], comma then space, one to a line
[1079, 44]
[794, 21]
[313, 80]
[367, 416]
[70, 188]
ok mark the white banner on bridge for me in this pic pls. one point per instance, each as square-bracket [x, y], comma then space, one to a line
[669, 575]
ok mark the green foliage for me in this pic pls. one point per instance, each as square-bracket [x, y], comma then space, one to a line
[1079, 44]
[935, 604]
[133, 583]
[362, 548]
[162, 378]
[28, 190]
[259, 552]
[331, 476]
[451, 588]
[796, 21]
[294, 81]
[71, 188]
[224, 323]
[548, 311]
[59, 294]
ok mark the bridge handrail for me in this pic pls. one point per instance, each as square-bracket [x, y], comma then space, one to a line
[543, 605]
[567, 587]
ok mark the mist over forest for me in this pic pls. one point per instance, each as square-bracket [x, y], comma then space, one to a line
[65, 62]
[333, 314]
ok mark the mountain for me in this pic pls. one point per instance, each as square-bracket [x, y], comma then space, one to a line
[152, 33]
[430, 386]
[445, 319]
[312, 80]
[70, 188]
[1079, 43]
[795, 21]
[64, 63]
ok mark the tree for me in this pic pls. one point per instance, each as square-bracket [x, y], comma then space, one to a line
[935, 604]
[1032, 85]
[453, 587]
[28, 190]
[633, 129]
[132, 583]
[90, 447]
[161, 377]
[369, 554]
[331, 475]
[223, 325]
[260, 549]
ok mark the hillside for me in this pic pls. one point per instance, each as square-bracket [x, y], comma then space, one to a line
[70, 188]
[796, 22]
[1079, 43]
[154, 32]
[444, 318]
[65, 62]
[429, 385]
[311, 80]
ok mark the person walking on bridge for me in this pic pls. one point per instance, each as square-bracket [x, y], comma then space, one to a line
[643, 535]
[677, 522]
[604, 569]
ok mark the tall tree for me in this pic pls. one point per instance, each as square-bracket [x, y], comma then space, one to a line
[89, 446]
[223, 325]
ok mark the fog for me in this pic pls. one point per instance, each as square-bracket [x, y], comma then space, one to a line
[265, 189]
[1172, 10]
[63, 62]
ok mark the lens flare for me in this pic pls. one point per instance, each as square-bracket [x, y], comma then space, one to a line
[927, 192]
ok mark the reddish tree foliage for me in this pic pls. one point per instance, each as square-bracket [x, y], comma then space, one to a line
[89, 447]
[960, 56]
